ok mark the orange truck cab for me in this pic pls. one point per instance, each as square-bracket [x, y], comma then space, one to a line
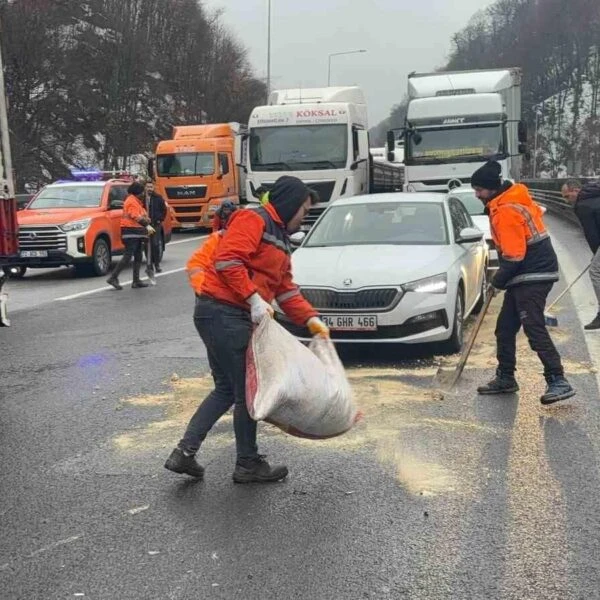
[199, 168]
[76, 222]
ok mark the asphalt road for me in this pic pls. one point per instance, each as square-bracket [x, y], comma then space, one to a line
[465, 497]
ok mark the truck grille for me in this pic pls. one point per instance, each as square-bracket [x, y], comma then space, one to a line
[47, 237]
[323, 188]
[186, 209]
[185, 192]
[311, 218]
[372, 299]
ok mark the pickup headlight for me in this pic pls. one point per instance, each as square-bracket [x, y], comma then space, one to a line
[438, 284]
[76, 225]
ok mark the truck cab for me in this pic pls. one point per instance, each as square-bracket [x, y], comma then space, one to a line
[75, 222]
[198, 169]
[457, 121]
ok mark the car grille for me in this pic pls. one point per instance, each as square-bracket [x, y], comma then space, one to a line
[185, 192]
[362, 300]
[42, 238]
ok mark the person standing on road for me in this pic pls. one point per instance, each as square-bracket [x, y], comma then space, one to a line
[528, 270]
[135, 229]
[157, 211]
[251, 267]
[586, 204]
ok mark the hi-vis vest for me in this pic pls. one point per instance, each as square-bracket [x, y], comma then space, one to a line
[201, 260]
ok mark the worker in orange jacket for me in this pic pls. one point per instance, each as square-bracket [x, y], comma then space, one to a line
[250, 269]
[135, 229]
[528, 268]
[222, 215]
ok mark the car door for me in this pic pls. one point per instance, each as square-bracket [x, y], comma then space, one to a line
[116, 199]
[479, 252]
[467, 252]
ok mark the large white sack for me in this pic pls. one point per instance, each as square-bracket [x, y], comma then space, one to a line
[304, 391]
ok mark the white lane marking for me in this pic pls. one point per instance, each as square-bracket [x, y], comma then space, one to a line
[129, 281]
[108, 287]
[55, 545]
[138, 509]
[192, 239]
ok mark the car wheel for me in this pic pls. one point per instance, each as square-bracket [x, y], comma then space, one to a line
[483, 292]
[15, 272]
[455, 342]
[101, 260]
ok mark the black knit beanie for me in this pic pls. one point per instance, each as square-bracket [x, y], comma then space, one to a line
[488, 176]
[287, 195]
[136, 189]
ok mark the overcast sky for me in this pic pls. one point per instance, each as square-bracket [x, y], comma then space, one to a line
[400, 36]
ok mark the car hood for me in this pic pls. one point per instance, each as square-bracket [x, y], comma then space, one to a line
[368, 265]
[483, 222]
[54, 216]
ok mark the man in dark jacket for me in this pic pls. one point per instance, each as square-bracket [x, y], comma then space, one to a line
[157, 210]
[528, 270]
[586, 203]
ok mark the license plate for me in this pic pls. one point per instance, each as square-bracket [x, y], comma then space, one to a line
[34, 253]
[351, 322]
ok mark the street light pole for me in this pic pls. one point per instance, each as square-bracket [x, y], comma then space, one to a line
[535, 142]
[269, 51]
[339, 54]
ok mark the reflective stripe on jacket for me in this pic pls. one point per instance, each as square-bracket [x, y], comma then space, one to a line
[254, 256]
[525, 250]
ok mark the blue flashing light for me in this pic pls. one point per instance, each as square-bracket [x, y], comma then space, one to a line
[87, 174]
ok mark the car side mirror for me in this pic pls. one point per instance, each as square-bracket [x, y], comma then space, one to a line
[391, 141]
[297, 238]
[469, 235]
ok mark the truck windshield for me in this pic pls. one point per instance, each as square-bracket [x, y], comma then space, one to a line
[402, 223]
[299, 148]
[456, 144]
[68, 196]
[185, 164]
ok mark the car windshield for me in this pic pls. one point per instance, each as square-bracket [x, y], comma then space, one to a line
[299, 148]
[402, 223]
[469, 144]
[185, 164]
[474, 206]
[68, 196]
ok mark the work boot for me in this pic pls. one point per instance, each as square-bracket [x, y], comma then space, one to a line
[503, 383]
[139, 284]
[158, 269]
[595, 324]
[178, 462]
[114, 281]
[257, 469]
[558, 388]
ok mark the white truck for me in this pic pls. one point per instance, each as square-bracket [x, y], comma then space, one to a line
[321, 136]
[455, 122]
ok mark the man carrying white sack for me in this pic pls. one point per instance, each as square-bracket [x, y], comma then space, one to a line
[251, 268]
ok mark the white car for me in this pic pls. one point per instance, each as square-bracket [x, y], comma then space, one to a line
[475, 208]
[396, 267]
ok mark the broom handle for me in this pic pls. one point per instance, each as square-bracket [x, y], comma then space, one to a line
[569, 287]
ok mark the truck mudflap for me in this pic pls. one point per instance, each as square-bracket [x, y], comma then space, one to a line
[4, 320]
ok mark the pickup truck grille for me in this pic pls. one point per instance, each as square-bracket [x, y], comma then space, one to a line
[378, 299]
[47, 237]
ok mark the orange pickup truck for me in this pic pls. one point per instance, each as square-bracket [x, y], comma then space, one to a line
[75, 223]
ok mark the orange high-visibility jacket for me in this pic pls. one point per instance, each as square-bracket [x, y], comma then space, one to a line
[202, 260]
[134, 218]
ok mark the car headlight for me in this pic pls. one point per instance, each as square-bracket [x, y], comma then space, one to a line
[76, 225]
[438, 284]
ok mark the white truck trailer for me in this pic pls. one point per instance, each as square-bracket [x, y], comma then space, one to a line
[321, 136]
[456, 121]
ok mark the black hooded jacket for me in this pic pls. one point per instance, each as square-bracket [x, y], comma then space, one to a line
[587, 209]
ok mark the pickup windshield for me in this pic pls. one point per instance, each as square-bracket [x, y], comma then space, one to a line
[299, 148]
[185, 164]
[68, 196]
[455, 144]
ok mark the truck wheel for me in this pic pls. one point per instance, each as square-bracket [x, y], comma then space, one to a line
[15, 272]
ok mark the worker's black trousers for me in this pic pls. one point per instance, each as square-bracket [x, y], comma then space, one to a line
[225, 331]
[524, 306]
